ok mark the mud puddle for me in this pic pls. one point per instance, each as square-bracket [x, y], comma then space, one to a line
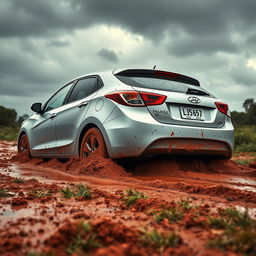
[41, 210]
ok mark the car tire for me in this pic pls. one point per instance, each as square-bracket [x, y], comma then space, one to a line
[93, 141]
[23, 146]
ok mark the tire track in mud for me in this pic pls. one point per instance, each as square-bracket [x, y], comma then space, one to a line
[216, 178]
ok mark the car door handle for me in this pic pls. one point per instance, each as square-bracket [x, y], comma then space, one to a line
[53, 115]
[83, 104]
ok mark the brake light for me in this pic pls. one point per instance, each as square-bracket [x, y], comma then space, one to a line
[223, 108]
[167, 74]
[136, 99]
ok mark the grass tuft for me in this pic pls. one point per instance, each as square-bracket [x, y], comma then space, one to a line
[79, 191]
[185, 204]
[159, 240]
[39, 193]
[19, 180]
[84, 239]
[4, 192]
[83, 191]
[172, 214]
[131, 196]
[239, 232]
[67, 192]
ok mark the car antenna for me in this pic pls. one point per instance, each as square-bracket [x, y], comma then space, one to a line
[154, 67]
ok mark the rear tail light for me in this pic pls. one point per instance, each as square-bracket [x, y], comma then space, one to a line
[136, 99]
[223, 108]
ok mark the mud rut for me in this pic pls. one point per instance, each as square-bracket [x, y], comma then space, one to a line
[217, 183]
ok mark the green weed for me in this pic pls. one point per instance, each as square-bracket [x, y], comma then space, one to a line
[67, 192]
[79, 191]
[172, 214]
[19, 180]
[132, 196]
[4, 192]
[84, 239]
[185, 204]
[244, 161]
[83, 191]
[239, 232]
[39, 193]
[159, 240]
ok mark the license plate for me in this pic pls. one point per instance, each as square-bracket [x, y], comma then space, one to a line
[192, 113]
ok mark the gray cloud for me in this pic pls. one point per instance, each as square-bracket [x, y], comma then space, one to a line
[108, 54]
[45, 43]
[244, 75]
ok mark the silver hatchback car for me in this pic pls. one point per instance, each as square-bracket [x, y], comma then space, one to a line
[128, 113]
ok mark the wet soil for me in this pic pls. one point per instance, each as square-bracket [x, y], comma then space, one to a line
[35, 217]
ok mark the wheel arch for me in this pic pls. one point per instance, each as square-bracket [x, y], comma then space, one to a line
[86, 127]
[20, 134]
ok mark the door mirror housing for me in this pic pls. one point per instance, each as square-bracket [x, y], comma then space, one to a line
[37, 107]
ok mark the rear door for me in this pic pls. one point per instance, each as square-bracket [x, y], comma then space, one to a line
[73, 113]
[186, 104]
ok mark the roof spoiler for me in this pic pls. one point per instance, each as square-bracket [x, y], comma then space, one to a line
[157, 74]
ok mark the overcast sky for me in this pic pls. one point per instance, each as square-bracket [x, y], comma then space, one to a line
[46, 43]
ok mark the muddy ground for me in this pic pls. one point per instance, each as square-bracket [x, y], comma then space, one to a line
[156, 206]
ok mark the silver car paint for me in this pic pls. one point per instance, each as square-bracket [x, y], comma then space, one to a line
[127, 131]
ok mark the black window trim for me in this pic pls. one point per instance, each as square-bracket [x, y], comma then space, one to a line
[64, 102]
[73, 82]
[82, 78]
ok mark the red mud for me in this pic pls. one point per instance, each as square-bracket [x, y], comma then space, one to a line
[35, 217]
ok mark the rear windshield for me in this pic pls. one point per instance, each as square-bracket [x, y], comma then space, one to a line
[162, 84]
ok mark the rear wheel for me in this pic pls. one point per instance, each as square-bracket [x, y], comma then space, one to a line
[93, 142]
[23, 146]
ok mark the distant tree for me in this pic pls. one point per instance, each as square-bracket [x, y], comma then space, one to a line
[7, 116]
[22, 118]
[248, 117]
[251, 114]
[239, 118]
[248, 103]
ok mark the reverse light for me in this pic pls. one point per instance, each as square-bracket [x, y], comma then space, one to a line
[223, 108]
[136, 99]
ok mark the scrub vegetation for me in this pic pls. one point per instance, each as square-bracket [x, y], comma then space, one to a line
[239, 232]
[245, 138]
[159, 240]
[131, 196]
[84, 239]
[80, 190]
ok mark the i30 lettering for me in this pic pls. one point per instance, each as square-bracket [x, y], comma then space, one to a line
[106, 112]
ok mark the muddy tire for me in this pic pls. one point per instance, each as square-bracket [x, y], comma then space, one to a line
[23, 146]
[93, 142]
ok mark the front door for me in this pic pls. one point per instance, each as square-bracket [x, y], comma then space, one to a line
[44, 135]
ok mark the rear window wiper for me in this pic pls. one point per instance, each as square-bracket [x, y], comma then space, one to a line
[197, 92]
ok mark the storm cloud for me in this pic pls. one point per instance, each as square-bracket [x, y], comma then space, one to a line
[44, 44]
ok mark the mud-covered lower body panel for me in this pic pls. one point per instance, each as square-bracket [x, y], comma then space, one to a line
[189, 146]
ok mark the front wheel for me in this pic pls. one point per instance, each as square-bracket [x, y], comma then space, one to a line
[93, 142]
[23, 146]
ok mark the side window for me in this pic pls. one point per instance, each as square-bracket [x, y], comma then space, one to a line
[83, 89]
[58, 99]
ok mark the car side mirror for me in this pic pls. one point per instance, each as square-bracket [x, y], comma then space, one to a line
[37, 107]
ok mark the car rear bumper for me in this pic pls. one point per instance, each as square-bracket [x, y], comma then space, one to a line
[189, 146]
[131, 135]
